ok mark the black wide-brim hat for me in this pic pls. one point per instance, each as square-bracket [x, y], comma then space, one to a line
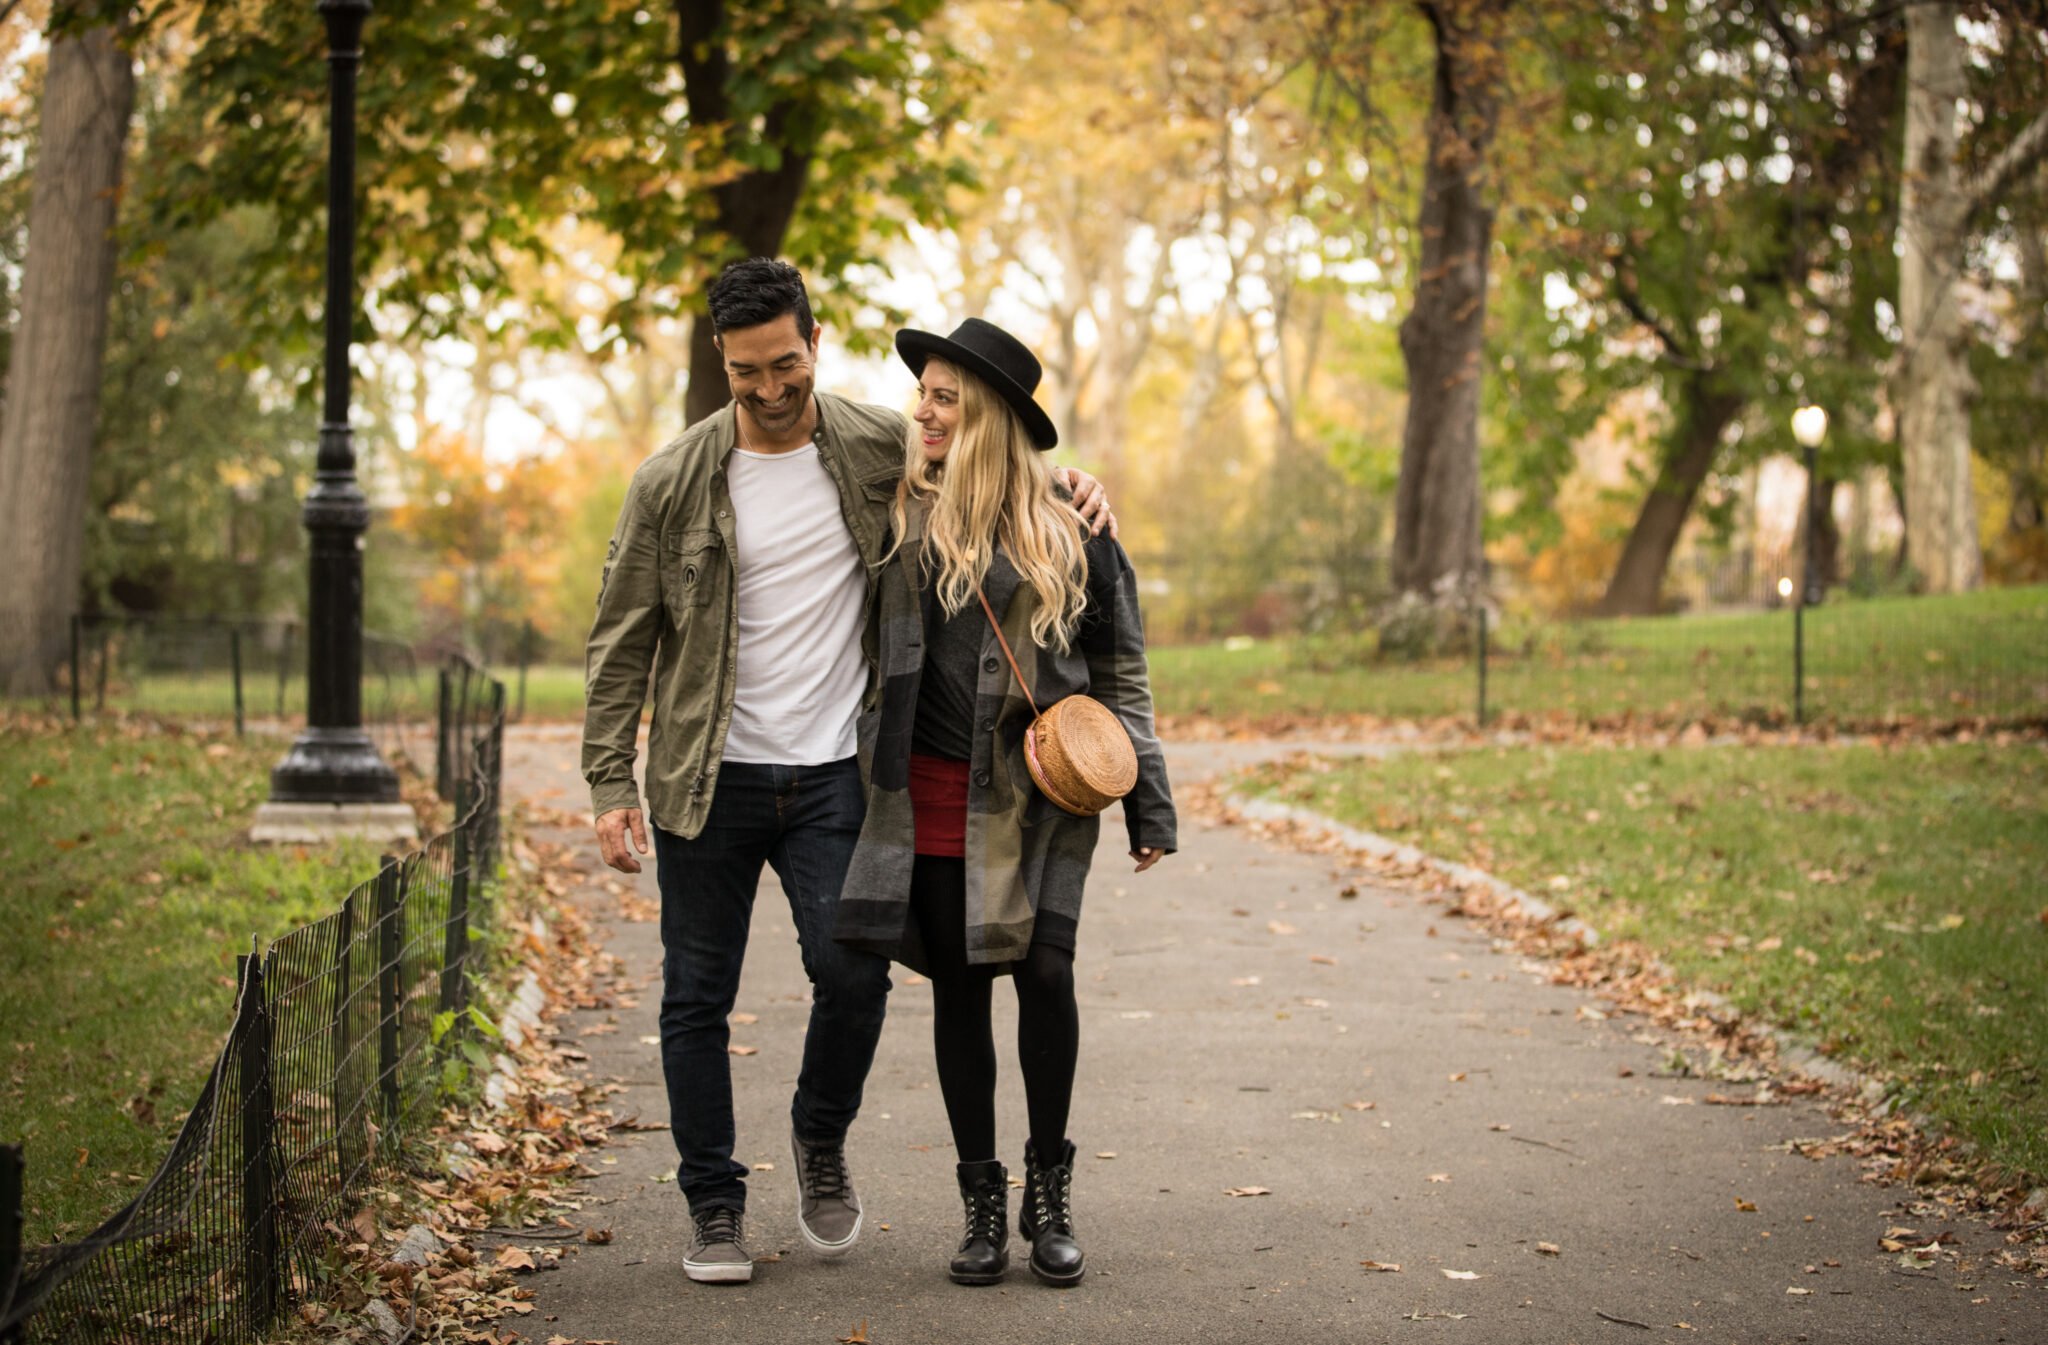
[997, 359]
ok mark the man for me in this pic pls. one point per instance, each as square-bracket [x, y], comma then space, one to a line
[740, 576]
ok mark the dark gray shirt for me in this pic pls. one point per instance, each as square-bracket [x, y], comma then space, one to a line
[946, 694]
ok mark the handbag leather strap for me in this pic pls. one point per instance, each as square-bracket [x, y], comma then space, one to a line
[1017, 672]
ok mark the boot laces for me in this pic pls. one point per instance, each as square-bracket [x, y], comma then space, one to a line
[824, 1173]
[985, 1218]
[1056, 1200]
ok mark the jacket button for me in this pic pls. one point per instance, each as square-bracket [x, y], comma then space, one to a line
[981, 779]
[988, 726]
[988, 665]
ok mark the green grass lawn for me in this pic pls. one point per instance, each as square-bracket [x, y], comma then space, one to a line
[1977, 654]
[1890, 901]
[129, 888]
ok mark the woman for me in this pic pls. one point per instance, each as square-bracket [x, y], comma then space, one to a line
[965, 870]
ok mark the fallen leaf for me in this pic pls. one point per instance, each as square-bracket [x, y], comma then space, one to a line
[1549, 1249]
[743, 1050]
[858, 1336]
[1670, 1101]
[1439, 1176]
[1383, 1267]
[1461, 1274]
[37, 780]
[1434, 1316]
[1770, 945]
[1107, 1153]
[1361, 1106]
[1459, 1077]
[1746, 1206]
[1796, 1290]
[513, 1258]
[597, 1237]
[1280, 927]
[746, 1019]
[764, 1167]
[1322, 959]
[1248, 1191]
[1244, 980]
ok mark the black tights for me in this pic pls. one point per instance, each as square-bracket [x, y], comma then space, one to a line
[963, 1037]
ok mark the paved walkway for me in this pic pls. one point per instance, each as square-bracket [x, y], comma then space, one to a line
[1235, 1011]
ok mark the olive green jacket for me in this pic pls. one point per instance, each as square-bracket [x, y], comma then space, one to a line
[666, 605]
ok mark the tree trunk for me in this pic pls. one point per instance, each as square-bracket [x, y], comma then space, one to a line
[1935, 386]
[1827, 535]
[753, 211]
[1437, 554]
[1695, 444]
[53, 374]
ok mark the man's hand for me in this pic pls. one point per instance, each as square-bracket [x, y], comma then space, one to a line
[1147, 857]
[611, 838]
[1090, 499]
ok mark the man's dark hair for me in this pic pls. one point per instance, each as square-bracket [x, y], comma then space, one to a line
[756, 291]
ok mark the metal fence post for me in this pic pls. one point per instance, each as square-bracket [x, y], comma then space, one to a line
[77, 668]
[1482, 661]
[11, 1183]
[338, 1037]
[235, 660]
[260, 1280]
[441, 732]
[284, 663]
[455, 950]
[100, 698]
[389, 991]
[525, 657]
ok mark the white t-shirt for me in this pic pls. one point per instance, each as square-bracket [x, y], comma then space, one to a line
[801, 590]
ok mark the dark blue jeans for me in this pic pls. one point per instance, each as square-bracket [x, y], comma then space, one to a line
[803, 821]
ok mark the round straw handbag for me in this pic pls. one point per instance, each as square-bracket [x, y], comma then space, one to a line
[1077, 750]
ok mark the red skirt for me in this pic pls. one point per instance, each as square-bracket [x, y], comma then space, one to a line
[938, 802]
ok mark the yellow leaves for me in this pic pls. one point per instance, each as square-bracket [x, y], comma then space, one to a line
[857, 1336]
[1382, 1267]
[1745, 1206]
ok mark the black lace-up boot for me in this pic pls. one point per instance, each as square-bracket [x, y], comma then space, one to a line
[1047, 1218]
[983, 1254]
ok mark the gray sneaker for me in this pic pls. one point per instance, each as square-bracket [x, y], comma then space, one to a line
[717, 1255]
[827, 1210]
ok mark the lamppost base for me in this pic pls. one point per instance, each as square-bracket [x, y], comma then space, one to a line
[319, 823]
[333, 765]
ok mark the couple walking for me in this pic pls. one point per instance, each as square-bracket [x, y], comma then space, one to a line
[848, 620]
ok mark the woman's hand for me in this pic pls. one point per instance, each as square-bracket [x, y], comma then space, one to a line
[1147, 857]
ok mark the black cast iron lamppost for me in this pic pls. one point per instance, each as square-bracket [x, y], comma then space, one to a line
[332, 781]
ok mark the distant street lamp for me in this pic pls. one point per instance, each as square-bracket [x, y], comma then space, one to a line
[332, 781]
[1809, 427]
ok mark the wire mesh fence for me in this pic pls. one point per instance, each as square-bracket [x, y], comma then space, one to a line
[337, 1053]
[244, 671]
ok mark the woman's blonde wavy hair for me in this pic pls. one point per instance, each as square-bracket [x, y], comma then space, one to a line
[994, 487]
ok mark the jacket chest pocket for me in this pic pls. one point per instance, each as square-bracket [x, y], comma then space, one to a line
[877, 495]
[691, 569]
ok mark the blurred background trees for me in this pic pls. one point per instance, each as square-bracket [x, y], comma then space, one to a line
[1452, 300]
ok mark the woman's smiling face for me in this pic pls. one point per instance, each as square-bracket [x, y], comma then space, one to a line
[938, 409]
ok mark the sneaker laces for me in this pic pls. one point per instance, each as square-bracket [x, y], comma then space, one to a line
[720, 1223]
[825, 1173]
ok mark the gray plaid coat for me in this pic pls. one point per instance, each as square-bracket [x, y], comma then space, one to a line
[1027, 860]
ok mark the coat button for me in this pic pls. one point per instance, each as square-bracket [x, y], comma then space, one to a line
[988, 665]
[988, 726]
[981, 779]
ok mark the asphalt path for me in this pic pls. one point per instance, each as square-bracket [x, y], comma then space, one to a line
[1377, 1081]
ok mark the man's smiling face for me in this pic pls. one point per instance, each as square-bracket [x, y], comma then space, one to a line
[772, 371]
